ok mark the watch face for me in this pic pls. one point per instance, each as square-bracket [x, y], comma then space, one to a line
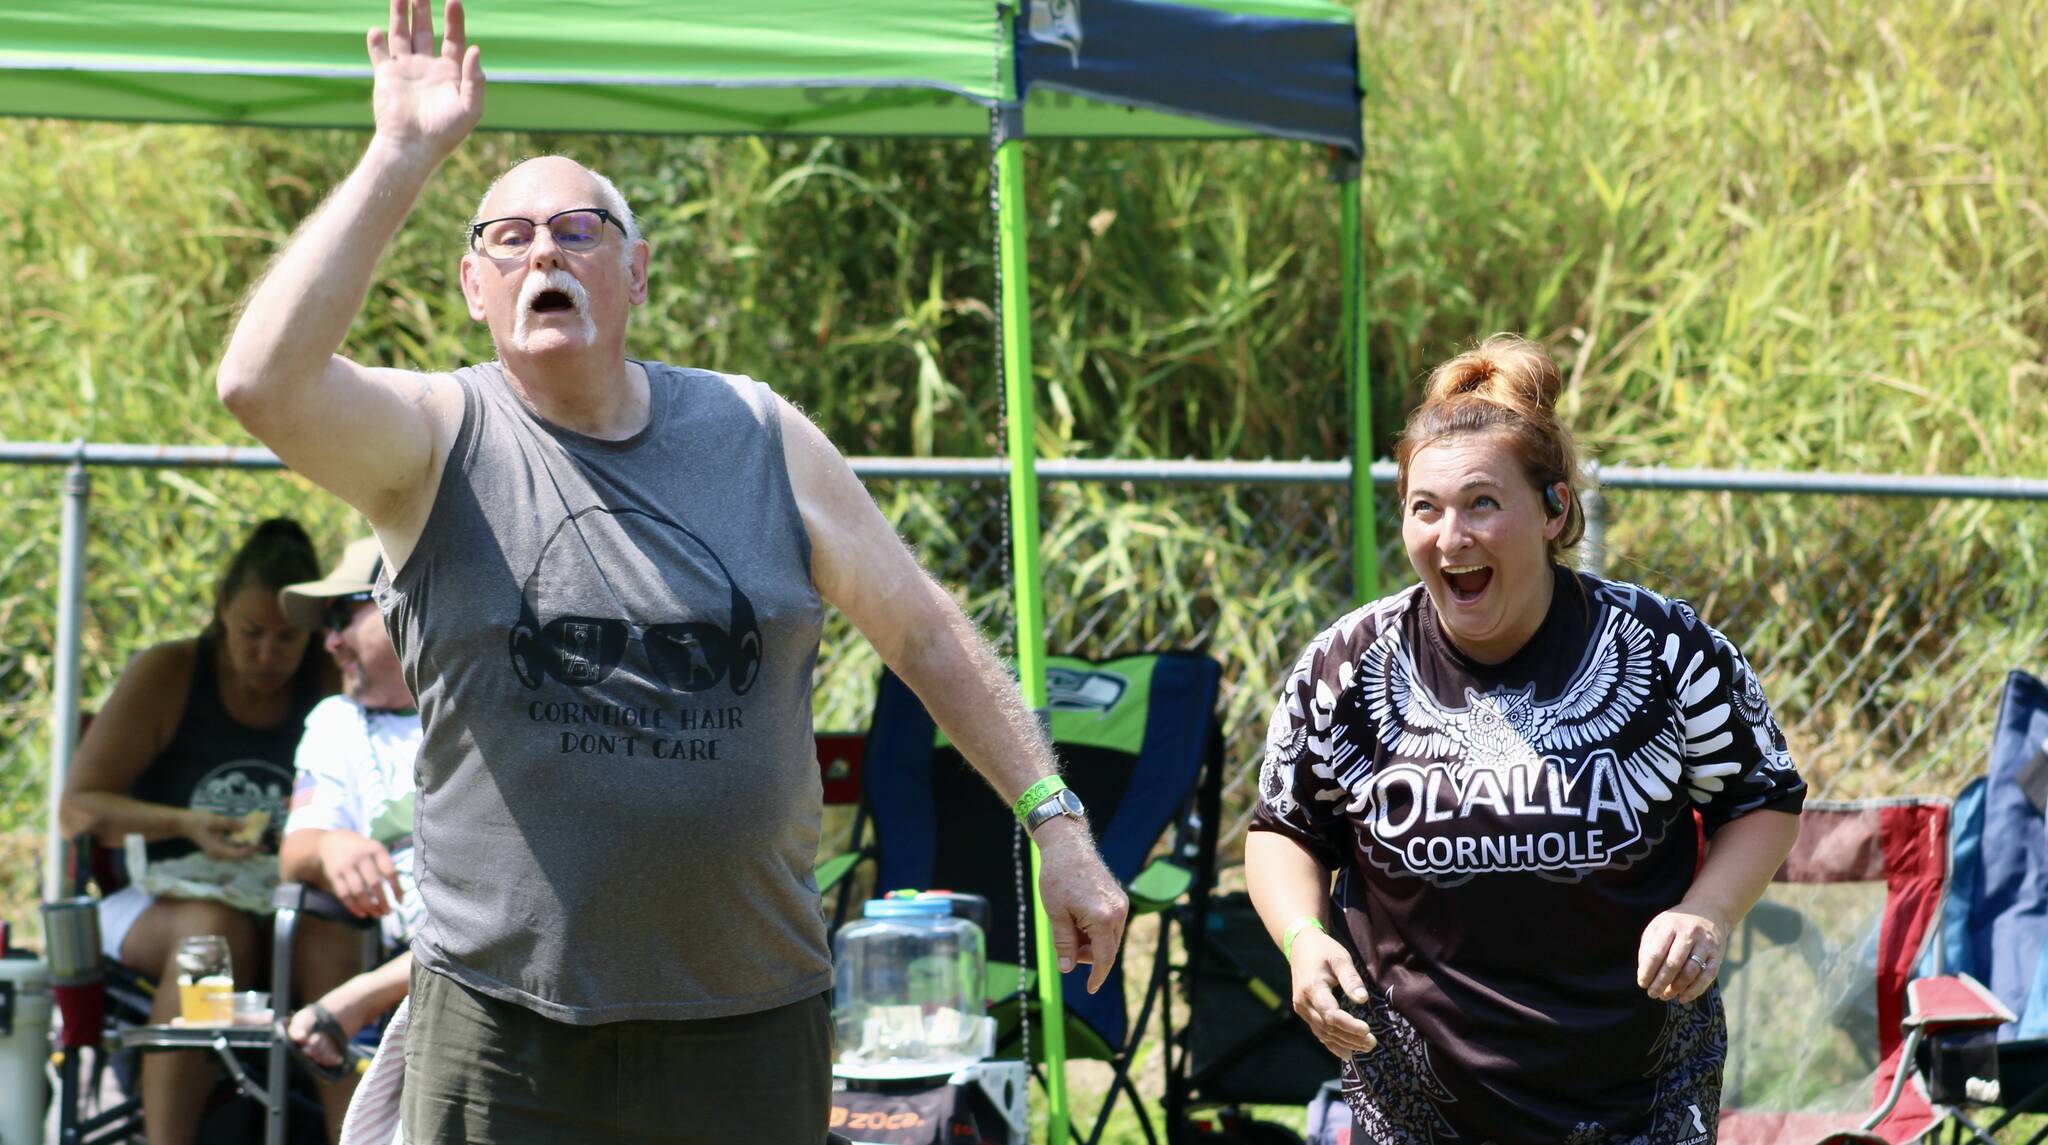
[1070, 803]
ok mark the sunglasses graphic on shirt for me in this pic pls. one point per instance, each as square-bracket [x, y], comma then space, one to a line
[690, 656]
[582, 650]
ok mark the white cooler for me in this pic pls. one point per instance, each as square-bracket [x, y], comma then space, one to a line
[25, 1004]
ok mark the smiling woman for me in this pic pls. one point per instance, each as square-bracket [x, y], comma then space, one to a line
[1486, 493]
[1502, 765]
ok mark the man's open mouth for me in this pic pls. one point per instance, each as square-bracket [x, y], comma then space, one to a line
[1467, 583]
[550, 301]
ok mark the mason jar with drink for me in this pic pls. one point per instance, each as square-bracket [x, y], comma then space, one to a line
[206, 981]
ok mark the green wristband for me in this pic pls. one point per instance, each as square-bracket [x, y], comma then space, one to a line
[1036, 794]
[1294, 930]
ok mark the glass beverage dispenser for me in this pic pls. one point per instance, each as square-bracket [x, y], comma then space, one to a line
[908, 998]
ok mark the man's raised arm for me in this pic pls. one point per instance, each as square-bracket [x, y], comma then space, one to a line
[367, 435]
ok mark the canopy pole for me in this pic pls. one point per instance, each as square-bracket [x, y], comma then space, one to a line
[64, 713]
[1365, 549]
[1013, 306]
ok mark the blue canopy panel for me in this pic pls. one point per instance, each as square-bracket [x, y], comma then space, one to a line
[1291, 78]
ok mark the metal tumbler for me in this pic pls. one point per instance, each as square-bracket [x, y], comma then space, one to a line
[71, 940]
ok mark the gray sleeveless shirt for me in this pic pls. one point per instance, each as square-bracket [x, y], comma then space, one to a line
[612, 645]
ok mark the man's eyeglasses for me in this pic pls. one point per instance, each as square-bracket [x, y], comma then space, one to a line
[341, 611]
[578, 230]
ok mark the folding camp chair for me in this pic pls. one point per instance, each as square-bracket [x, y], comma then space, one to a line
[1137, 737]
[1814, 980]
[1243, 1043]
[280, 1109]
[289, 1111]
[1994, 927]
[117, 1010]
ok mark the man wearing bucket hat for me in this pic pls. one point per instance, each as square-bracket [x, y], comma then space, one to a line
[350, 827]
[607, 580]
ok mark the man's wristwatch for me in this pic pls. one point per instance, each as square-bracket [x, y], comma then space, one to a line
[1061, 802]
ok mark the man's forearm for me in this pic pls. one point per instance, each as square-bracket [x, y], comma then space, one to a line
[296, 317]
[938, 652]
[298, 858]
[378, 990]
[974, 700]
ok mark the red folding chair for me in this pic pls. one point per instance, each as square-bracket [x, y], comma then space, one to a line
[1815, 980]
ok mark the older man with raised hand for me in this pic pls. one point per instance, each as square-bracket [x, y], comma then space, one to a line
[605, 578]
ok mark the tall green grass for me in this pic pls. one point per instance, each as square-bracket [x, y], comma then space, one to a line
[1803, 234]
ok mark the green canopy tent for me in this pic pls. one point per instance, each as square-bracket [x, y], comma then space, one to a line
[1050, 69]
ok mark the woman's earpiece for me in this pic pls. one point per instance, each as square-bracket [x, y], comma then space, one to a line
[1553, 501]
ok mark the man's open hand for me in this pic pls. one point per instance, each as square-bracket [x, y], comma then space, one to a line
[423, 98]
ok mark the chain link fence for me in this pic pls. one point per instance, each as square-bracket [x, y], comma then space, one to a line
[1881, 625]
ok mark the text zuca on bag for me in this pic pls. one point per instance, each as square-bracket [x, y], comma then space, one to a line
[612, 645]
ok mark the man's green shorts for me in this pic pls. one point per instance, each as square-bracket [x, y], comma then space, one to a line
[478, 1069]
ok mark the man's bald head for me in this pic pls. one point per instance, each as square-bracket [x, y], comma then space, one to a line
[549, 169]
[540, 299]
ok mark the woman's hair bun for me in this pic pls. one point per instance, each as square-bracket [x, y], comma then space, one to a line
[1506, 386]
[277, 552]
[1506, 370]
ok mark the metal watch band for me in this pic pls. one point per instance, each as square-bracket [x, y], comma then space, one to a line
[1061, 802]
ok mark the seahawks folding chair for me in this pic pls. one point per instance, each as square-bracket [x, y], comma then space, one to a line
[1138, 738]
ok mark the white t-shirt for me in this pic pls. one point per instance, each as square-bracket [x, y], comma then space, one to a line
[355, 773]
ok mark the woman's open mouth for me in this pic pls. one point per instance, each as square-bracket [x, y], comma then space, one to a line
[1467, 583]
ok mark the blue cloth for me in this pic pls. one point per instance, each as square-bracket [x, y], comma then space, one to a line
[1297, 79]
[1996, 919]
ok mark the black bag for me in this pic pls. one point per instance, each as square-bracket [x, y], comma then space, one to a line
[941, 1115]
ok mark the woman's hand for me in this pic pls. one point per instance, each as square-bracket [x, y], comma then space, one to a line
[1681, 952]
[215, 834]
[1321, 967]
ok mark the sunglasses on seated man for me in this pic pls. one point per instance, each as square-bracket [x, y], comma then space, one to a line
[579, 229]
[341, 611]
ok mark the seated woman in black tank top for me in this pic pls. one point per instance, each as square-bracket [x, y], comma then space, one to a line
[191, 751]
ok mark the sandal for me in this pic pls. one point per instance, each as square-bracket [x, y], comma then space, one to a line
[326, 1025]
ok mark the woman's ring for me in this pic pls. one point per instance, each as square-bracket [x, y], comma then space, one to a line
[1698, 959]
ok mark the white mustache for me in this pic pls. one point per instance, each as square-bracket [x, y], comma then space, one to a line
[553, 278]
